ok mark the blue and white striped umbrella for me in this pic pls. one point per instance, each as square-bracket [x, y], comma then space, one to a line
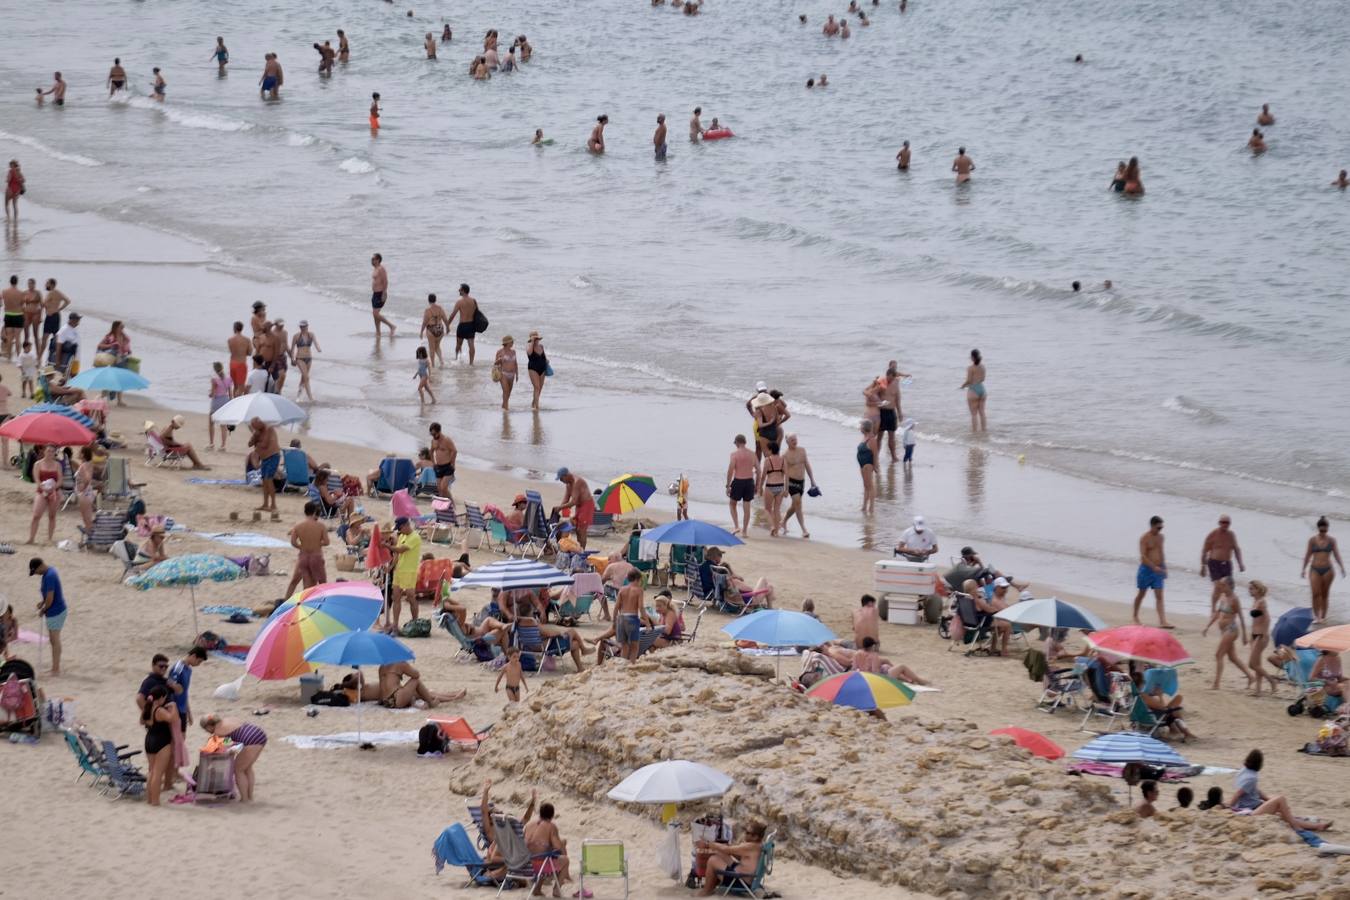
[1128, 747]
[62, 410]
[1050, 612]
[509, 574]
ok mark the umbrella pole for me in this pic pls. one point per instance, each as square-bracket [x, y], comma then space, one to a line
[192, 594]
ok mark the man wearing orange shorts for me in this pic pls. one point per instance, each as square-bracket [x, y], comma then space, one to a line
[240, 349]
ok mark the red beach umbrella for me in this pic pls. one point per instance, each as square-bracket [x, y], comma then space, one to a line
[47, 428]
[1038, 744]
[1141, 642]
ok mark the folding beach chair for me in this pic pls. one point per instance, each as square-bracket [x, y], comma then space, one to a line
[122, 778]
[129, 555]
[521, 866]
[395, 475]
[458, 731]
[679, 563]
[687, 637]
[541, 536]
[529, 639]
[498, 539]
[1111, 697]
[117, 490]
[469, 648]
[603, 859]
[751, 884]
[454, 847]
[86, 764]
[110, 526]
[977, 628]
[214, 777]
[634, 558]
[156, 454]
[1062, 688]
[425, 485]
[476, 522]
[296, 464]
[444, 521]
[313, 495]
[693, 581]
[67, 486]
[601, 524]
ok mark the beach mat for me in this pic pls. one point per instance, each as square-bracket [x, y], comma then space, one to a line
[242, 539]
[196, 479]
[350, 739]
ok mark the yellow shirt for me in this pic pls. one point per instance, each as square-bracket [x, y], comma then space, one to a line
[405, 570]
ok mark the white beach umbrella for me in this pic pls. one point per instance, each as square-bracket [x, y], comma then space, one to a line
[672, 781]
[273, 409]
[510, 574]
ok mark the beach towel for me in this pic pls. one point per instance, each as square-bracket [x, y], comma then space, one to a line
[242, 539]
[233, 653]
[31, 637]
[222, 609]
[350, 738]
[198, 480]
[1116, 771]
[454, 847]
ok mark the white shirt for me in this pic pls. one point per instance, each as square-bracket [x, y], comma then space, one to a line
[28, 364]
[257, 381]
[68, 335]
[918, 540]
[907, 436]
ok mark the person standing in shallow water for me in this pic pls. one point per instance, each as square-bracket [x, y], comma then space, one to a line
[975, 392]
[596, 142]
[221, 55]
[659, 138]
[963, 165]
[1152, 573]
[1134, 184]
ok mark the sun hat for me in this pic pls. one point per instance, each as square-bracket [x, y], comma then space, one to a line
[761, 400]
[507, 339]
[178, 420]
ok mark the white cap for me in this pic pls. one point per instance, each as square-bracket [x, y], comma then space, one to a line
[1000, 582]
[761, 387]
[918, 523]
[1025, 595]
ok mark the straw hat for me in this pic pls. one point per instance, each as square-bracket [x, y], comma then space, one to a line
[534, 335]
[507, 340]
[761, 400]
[148, 425]
[178, 421]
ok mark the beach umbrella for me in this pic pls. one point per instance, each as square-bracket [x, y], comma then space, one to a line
[691, 533]
[1050, 612]
[779, 628]
[1336, 639]
[626, 493]
[862, 690]
[273, 409]
[510, 574]
[1140, 642]
[310, 616]
[1292, 625]
[47, 428]
[188, 571]
[59, 409]
[1038, 744]
[109, 378]
[671, 781]
[357, 649]
[1128, 747]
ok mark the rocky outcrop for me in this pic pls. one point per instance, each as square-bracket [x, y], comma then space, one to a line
[934, 806]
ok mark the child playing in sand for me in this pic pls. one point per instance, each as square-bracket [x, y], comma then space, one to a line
[514, 675]
[27, 370]
[423, 371]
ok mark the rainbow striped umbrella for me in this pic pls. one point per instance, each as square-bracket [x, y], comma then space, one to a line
[863, 690]
[626, 493]
[312, 614]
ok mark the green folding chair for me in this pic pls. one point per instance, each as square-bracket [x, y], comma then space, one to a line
[603, 859]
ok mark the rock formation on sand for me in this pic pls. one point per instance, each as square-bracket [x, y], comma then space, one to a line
[933, 806]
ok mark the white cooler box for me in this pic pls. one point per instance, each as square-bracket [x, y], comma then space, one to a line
[900, 576]
[900, 610]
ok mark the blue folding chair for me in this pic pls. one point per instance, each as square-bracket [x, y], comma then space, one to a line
[395, 475]
[296, 464]
[454, 847]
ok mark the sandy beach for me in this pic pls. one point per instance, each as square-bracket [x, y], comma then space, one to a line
[340, 819]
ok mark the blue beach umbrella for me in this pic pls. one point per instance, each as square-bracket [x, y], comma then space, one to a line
[691, 533]
[1291, 626]
[1128, 747]
[779, 628]
[62, 410]
[109, 378]
[356, 649]
[1050, 612]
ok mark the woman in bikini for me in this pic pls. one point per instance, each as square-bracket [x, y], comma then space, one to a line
[248, 736]
[219, 395]
[433, 329]
[86, 486]
[772, 484]
[672, 626]
[1260, 636]
[1327, 670]
[508, 368]
[867, 458]
[1228, 613]
[303, 347]
[975, 392]
[47, 496]
[1322, 550]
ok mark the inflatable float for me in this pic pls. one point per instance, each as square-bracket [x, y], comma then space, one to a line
[717, 135]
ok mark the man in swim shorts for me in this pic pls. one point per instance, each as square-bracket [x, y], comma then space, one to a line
[798, 469]
[13, 325]
[1152, 569]
[695, 127]
[466, 309]
[52, 306]
[240, 350]
[309, 537]
[379, 293]
[268, 450]
[270, 82]
[443, 455]
[963, 165]
[117, 77]
[659, 138]
[1217, 555]
[629, 611]
[578, 498]
[889, 410]
[742, 475]
[57, 90]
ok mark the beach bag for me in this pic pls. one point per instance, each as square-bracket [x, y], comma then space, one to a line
[480, 321]
[104, 359]
[430, 740]
[258, 564]
[482, 651]
[417, 628]
[330, 698]
[496, 372]
[11, 696]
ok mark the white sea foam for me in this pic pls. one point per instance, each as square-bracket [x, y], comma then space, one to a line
[356, 166]
[37, 145]
[189, 118]
[294, 139]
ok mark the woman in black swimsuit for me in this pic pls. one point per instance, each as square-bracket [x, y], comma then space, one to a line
[1260, 636]
[159, 717]
[1317, 568]
[537, 363]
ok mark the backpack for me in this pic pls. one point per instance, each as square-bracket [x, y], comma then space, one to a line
[11, 695]
[430, 740]
[482, 651]
[416, 628]
[330, 698]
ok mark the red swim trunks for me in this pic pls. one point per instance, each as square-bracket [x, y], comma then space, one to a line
[238, 372]
[584, 514]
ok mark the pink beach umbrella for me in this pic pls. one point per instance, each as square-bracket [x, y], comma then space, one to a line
[1142, 643]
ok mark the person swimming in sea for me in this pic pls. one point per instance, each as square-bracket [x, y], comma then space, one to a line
[1118, 179]
[1134, 184]
[1265, 117]
[902, 158]
[596, 142]
[1341, 180]
[375, 111]
[1257, 142]
[963, 165]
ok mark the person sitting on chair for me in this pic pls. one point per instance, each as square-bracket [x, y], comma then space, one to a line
[174, 447]
[333, 501]
[762, 594]
[672, 624]
[1165, 710]
[742, 858]
[494, 864]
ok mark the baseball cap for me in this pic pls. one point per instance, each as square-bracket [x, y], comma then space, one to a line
[1025, 596]
[401, 521]
[967, 551]
[761, 387]
[74, 317]
[918, 523]
[1000, 582]
[33, 565]
[520, 500]
[563, 473]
